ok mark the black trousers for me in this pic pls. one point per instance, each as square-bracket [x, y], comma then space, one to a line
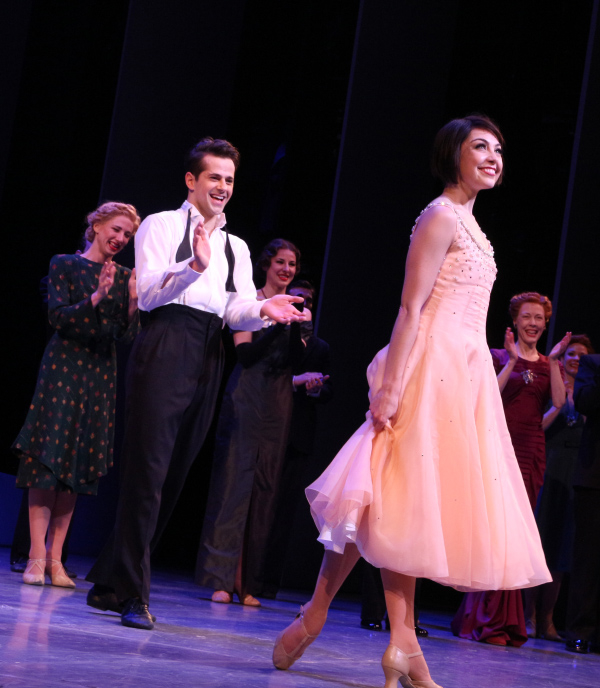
[173, 379]
[290, 497]
[583, 608]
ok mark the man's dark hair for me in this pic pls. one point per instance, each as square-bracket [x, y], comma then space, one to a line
[209, 146]
[302, 284]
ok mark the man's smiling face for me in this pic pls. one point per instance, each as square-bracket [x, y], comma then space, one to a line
[213, 188]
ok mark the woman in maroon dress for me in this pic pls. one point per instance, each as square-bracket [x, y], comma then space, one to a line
[528, 381]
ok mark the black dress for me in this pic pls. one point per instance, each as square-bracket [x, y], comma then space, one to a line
[66, 442]
[554, 513]
[299, 460]
[252, 434]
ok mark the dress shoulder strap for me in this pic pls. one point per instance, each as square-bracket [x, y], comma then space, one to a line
[431, 205]
[488, 251]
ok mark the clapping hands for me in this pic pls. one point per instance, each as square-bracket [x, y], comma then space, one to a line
[105, 282]
[509, 344]
[200, 248]
[133, 297]
[559, 349]
[313, 382]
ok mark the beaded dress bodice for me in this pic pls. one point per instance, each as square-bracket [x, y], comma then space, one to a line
[461, 292]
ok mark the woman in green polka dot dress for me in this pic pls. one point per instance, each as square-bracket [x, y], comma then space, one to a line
[66, 443]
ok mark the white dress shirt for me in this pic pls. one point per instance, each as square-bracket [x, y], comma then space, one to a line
[156, 244]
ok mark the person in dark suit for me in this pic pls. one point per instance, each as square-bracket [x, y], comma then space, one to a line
[583, 610]
[193, 276]
[312, 388]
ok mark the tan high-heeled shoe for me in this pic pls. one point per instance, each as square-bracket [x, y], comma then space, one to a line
[34, 572]
[396, 664]
[283, 659]
[549, 632]
[222, 597]
[248, 600]
[58, 575]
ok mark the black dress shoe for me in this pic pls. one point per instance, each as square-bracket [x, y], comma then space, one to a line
[595, 648]
[421, 632]
[268, 594]
[135, 614]
[18, 565]
[371, 624]
[103, 598]
[579, 646]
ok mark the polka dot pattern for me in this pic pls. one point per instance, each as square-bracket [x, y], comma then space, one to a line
[66, 442]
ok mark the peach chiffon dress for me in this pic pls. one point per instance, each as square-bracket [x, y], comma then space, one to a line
[438, 494]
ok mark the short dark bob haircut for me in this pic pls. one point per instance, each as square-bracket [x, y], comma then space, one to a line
[209, 146]
[445, 158]
[272, 249]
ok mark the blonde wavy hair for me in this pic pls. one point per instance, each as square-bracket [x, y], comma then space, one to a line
[107, 211]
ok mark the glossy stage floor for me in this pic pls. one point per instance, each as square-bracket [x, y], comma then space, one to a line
[50, 638]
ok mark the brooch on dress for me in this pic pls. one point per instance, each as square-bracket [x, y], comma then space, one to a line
[528, 376]
[571, 415]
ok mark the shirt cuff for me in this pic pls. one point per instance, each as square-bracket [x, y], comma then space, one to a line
[265, 318]
[189, 275]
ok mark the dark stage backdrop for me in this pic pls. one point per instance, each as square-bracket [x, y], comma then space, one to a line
[334, 105]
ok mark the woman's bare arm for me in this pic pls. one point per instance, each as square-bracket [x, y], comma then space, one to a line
[428, 248]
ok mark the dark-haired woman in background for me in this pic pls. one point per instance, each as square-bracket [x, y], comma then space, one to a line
[528, 381]
[250, 445]
[66, 443]
[554, 513]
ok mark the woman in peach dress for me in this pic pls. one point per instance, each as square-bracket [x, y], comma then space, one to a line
[429, 486]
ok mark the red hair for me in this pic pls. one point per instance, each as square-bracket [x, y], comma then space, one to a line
[529, 297]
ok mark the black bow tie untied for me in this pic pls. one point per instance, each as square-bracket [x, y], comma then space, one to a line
[184, 251]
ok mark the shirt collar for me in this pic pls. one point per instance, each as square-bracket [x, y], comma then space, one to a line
[186, 205]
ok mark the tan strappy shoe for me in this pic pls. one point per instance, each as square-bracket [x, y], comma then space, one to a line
[396, 664]
[34, 572]
[58, 575]
[283, 659]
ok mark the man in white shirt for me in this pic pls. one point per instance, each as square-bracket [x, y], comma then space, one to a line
[192, 276]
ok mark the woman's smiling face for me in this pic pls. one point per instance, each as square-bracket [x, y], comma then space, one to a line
[530, 323]
[112, 235]
[480, 160]
[282, 269]
[571, 358]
